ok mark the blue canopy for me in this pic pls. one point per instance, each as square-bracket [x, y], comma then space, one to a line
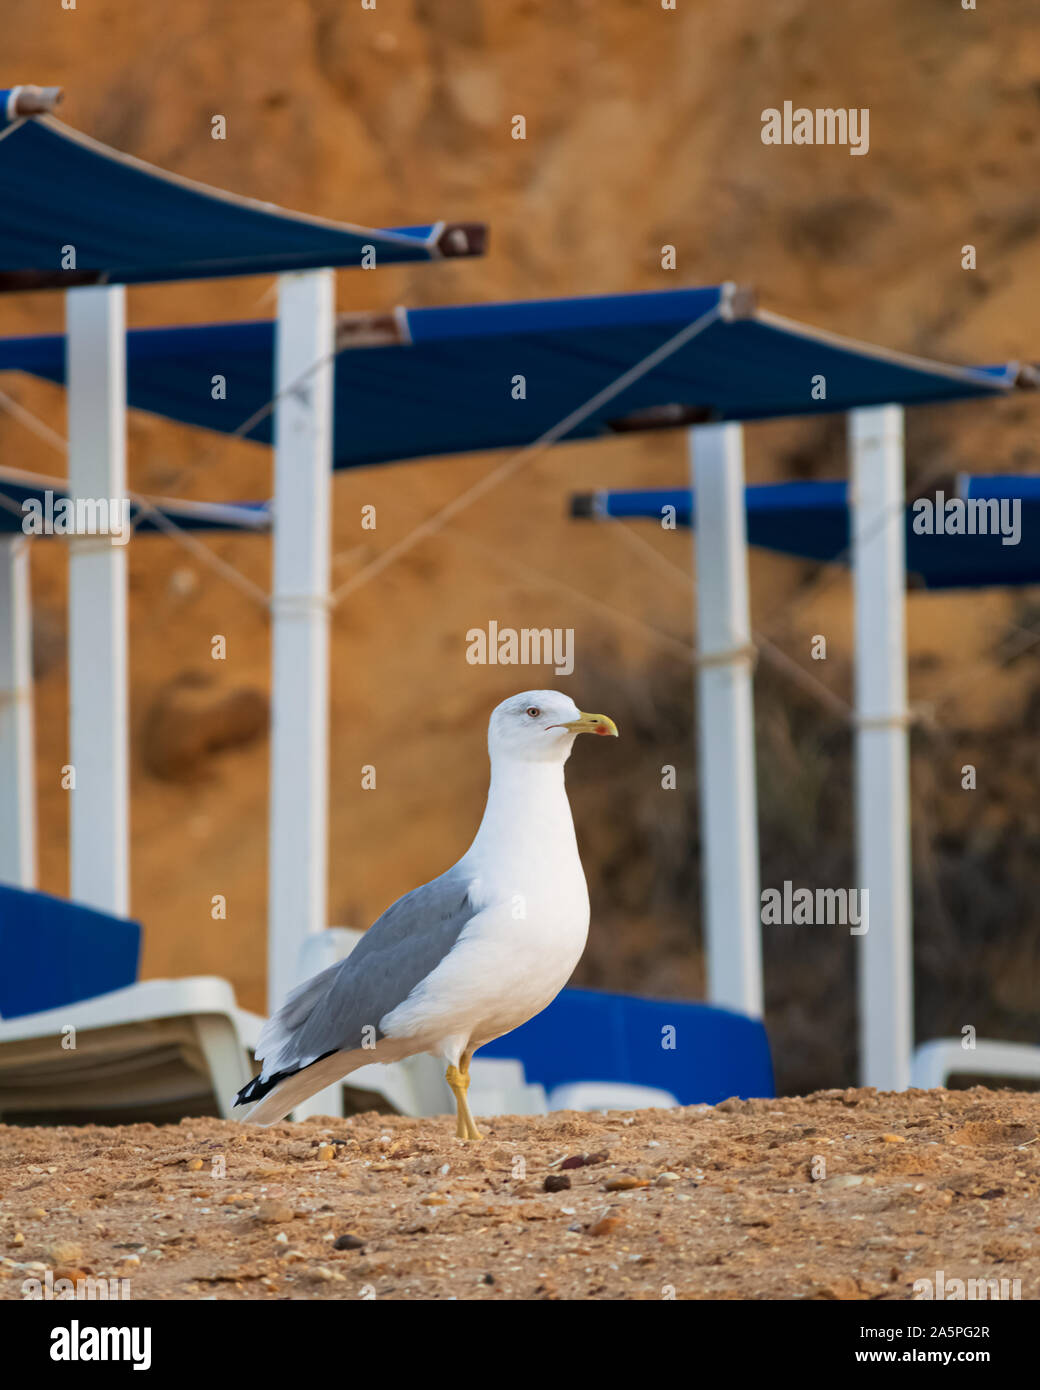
[43, 494]
[447, 380]
[127, 222]
[811, 521]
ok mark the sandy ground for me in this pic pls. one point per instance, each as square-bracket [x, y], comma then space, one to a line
[838, 1195]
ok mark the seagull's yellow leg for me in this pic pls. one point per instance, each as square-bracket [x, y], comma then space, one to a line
[474, 1132]
[454, 1079]
[458, 1079]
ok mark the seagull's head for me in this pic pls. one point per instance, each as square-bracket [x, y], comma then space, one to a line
[541, 726]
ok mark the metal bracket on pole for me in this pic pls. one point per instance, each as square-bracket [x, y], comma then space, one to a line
[17, 772]
[99, 805]
[725, 714]
[881, 723]
[298, 857]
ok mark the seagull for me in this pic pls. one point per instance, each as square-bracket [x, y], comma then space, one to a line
[467, 957]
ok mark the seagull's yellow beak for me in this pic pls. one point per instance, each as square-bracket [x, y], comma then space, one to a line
[600, 724]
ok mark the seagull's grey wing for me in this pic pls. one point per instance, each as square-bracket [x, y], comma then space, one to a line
[329, 1012]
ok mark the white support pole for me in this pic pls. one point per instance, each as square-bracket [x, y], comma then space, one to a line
[729, 809]
[99, 813]
[17, 773]
[877, 494]
[299, 786]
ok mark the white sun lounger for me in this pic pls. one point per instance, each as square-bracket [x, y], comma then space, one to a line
[602, 1096]
[935, 1062]
[162, 1048]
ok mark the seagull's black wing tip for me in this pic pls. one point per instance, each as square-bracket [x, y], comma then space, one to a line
[261, 1086]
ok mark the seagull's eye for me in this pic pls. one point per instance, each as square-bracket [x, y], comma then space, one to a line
[534, 711]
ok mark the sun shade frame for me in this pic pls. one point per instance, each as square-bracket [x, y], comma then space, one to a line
[76, 212]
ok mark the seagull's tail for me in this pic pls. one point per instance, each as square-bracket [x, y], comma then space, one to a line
[295, 1066]
[275, 1096]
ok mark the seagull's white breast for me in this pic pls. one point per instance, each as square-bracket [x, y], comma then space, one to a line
[518, 952]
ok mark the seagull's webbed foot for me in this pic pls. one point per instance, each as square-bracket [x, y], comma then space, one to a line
[458, 1079]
